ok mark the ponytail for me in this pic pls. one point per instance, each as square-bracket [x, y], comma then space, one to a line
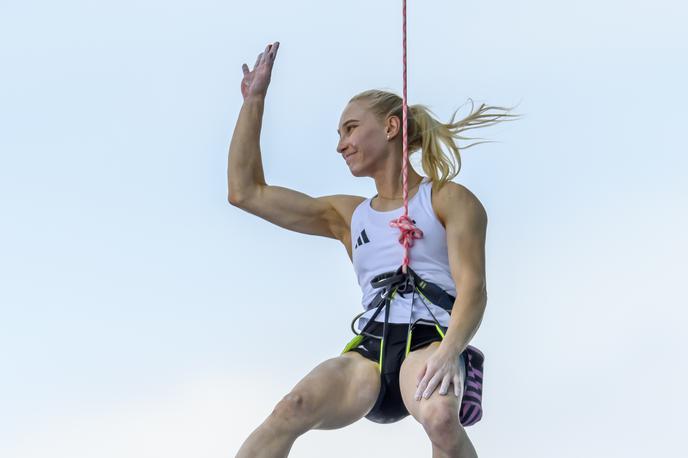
[427, 134]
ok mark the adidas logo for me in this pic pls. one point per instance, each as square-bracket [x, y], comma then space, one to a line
[363, 238]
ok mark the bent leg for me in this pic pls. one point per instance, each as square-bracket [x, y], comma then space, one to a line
[334, 394]
[439, 414]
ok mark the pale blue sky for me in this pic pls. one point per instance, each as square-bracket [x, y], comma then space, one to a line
[143, 316]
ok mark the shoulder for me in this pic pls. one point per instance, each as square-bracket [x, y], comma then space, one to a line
[344, 206]
[454, 201]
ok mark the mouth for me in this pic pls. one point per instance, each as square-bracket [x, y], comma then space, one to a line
[346, 157]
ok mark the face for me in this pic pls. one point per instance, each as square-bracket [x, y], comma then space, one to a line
[362, 139]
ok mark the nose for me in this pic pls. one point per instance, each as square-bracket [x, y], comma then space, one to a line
[340, 146]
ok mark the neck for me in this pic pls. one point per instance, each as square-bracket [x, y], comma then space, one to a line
[388, 176]
[395, 190]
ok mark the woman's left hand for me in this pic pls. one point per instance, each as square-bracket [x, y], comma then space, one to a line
[441, 367]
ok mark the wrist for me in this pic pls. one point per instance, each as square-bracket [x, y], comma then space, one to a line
[254, 99]
[448, 344]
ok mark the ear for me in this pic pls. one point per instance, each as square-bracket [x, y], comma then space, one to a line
[392, 126]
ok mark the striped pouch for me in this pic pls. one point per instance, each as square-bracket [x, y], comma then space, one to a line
[471, 403]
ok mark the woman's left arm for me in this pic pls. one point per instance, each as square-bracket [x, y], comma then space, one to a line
[465, 222]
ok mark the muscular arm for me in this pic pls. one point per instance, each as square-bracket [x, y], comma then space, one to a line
[465, 222]
[324, 216]
[327, 216]
[244, 165]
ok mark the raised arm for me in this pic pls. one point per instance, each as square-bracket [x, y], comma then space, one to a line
[327, 216]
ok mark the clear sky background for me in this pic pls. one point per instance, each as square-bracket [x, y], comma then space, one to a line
[143, 316]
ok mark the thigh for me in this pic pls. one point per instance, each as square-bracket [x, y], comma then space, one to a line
[336, 393]
[408, 377]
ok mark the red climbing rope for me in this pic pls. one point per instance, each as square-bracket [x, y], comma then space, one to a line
[409, 231]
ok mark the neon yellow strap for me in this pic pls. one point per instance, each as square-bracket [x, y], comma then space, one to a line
[382, 351]
[408, 341]
[353, 343]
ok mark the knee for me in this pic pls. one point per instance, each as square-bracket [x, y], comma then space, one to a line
[293, 412]
[441, 424]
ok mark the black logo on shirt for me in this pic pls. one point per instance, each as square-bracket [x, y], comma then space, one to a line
[363, 238]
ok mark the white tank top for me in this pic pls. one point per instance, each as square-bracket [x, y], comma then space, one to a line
[376, 249]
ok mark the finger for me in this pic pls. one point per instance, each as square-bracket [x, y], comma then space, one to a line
[273, 51]
[269, 56]
[421, 374]
[444, 387]
[257, 60]
[457, 386]
[265, 53]
[421, 388]
[432, 384]
[421, 382]
[244, 67]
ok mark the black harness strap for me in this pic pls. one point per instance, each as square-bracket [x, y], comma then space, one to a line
[394, 282]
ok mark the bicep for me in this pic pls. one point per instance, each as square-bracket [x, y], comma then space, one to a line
[297, 211]
[466, 226]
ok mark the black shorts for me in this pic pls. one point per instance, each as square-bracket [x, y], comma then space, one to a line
[389, 407]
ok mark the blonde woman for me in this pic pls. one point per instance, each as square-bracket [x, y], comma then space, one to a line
[416, 359]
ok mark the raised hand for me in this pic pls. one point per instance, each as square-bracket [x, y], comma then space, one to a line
[256, 81]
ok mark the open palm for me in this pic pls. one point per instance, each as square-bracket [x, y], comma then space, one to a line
[256, 81]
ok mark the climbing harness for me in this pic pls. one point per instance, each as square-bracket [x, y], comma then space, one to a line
[397, 282]
[391, 283]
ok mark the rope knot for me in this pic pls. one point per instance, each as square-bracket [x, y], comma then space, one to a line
[409, 231]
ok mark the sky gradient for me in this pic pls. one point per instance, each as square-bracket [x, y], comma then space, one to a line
[143, 316]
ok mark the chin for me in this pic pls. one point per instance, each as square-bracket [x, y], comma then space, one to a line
[357, 173]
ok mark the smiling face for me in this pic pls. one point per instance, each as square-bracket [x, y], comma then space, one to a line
[362, 139]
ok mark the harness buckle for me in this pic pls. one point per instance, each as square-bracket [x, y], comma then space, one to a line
[387, 279]
[408, 284]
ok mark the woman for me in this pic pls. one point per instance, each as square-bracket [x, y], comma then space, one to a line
[428, 380]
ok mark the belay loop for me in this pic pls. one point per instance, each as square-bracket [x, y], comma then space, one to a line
[401, 281]
[389, 284]
[408, 284]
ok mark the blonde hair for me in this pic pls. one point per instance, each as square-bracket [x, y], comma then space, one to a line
[426, 133]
